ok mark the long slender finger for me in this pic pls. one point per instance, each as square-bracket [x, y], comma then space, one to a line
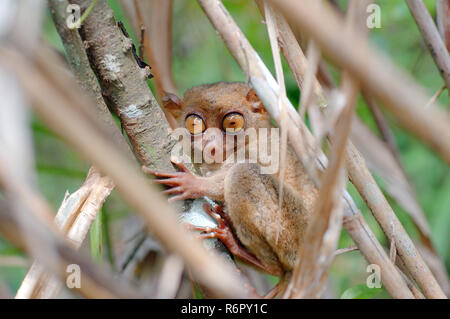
[219, 211]
[206, 236]
[214, 215]
[167, 182]
[178, 197]
[201, 228]
[173, 190]
[150, 171]
[180, 166]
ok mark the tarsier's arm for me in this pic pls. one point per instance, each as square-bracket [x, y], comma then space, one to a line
[186, 185]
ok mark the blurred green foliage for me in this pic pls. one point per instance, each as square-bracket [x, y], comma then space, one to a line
[199, 57]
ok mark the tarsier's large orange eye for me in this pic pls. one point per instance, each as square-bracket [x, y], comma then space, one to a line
[195, 124]
[233, 122]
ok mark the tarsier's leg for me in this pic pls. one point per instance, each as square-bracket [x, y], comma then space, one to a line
[224, 233]
[252, 201]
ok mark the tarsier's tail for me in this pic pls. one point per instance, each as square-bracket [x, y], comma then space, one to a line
[280, 288]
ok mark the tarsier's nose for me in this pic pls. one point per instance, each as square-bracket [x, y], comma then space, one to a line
[211, 135]
[212, 144]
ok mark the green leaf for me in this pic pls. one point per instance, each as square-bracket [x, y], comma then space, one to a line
[361, 292]
[96, 236]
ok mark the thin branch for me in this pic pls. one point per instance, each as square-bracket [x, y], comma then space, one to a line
[345, 250]
[155, 17]
[74, 218]
[351, 52]
[77, 212]
[435, 96]
[442, 14]
[404, 98]
[432, 38]
[273, 35]
[79, 63]
[383, 126]
[96, 282]
[324, 229]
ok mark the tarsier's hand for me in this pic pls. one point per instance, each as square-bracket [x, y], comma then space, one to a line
[182, 184]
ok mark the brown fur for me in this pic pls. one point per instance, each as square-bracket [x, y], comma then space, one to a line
[251, 198]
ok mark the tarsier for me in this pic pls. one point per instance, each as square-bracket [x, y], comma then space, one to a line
[270, 238]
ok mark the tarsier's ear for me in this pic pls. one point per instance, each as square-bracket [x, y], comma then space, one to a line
[173, 108]
[256, 104]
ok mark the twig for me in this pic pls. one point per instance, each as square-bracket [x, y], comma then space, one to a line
[96, 283]
[324, 229]
[155, 17]
[77, 212]
[313, 56]
[334, 41]
[273, 35]
[294, 55]
[432, 38]
[383, 126]
[344, 250]
[13, 261]
[435, 96]
[400, 94]
[442, 14]
[74, 218]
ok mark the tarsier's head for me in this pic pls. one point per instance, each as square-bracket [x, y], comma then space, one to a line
[215, 113]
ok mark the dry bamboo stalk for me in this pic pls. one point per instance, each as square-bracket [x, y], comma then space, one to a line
[383, 126]
[382, 211]
[404, 98]
[326, 36]
[435, 96]
[432, 38]
[153, 20]
[395, 190]
[412, 207]
[79, 63]
[322, 235]
[294, 56]
[91, 141]
[74, 218]
[442, 14]
[96, 282]
[273, 37]
[324, 229]
[33, 222]
[267, 90]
